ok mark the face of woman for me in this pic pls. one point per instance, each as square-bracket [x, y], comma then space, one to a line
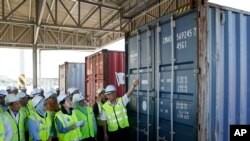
[68, 103]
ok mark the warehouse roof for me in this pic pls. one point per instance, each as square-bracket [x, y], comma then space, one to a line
[84, 24]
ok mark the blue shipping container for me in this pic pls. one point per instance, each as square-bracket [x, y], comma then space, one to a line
[210, 78]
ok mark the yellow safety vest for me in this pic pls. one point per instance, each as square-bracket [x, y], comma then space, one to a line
[67, 121]
[18, 129]
[116, 115]
[30, 107]
[1, 109]
[88, 129]
[2, 132]
[44, 125]
[25, 110]
[98, 119]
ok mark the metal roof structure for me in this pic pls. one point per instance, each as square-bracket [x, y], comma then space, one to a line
[64, 24]
[75, 24]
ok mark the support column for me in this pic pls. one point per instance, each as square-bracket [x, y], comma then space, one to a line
[34, 50]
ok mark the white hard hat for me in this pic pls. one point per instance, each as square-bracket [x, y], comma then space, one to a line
[109, 89]
[23, 88]
[53, 90]
[72, 90]
[78, 97]
[11, 98]
[100, 90]
[36, 100]
[35, 91]
[61, 97]
[13, 88]
[21, 95]
[8, 87]
[3, 92]
[49, 94]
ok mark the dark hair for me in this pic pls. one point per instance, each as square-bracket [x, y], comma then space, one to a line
[62, 102]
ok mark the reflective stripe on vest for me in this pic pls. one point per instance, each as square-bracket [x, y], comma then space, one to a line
[67, 121]
[43, 124]
[88, 129]
[98, 119]
[18, 130]
[116, 115]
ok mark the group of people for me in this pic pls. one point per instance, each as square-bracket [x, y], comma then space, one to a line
[54, 115]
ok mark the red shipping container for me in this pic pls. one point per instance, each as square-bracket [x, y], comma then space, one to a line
[104, 68]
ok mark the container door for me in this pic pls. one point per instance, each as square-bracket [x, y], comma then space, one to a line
[184, 92]
[141, 107]
[150, 105]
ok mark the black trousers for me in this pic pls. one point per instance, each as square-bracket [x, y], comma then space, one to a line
[89, 139]
[122, 134]
[100, 134]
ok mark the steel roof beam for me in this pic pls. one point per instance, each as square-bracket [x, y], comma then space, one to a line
[2, 34]
[89, 15]
[97, 4]
[3, 7]
[69, 12]
[3, 29]
[8, 3]
[81, 28]
[49, 46]
[38, 25]
[21, 35]
[55, 37]
[30, 9]
[79, 12]
[51, 37]
[50, 12]
[51, 8]
[16, 22]
[68, 37]
[109, 20]
[14, 10]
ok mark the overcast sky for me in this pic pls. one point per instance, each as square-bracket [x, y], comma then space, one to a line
[9, 58]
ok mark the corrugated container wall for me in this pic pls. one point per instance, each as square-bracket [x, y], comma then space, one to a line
[229, 76]
[172, 101]
[72, 75]
[104, 68]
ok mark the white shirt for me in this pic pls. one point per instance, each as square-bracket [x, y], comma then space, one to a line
[7, 128]
[125, 100]
[15, 117]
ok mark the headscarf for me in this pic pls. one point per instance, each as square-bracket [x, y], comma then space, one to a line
[40, 108]
[82, 108]
[52, 105]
